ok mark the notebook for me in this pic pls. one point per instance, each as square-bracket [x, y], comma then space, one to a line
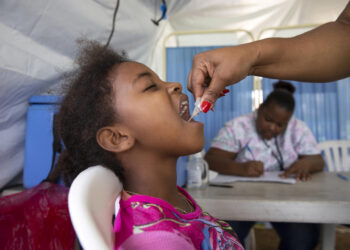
[266, 177]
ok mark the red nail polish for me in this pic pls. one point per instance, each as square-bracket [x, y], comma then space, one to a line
[222, 94]
[205, 106]
[226, 91]
[212, 109]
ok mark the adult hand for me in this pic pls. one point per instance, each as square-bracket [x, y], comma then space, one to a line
[301, 170]
[253, 168]
[213, 70]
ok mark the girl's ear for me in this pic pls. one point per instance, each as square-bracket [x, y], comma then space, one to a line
[115, 138]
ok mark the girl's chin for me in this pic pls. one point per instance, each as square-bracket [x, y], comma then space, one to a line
[195, 124]
[197, 148]
[193, 121]
[191, 149]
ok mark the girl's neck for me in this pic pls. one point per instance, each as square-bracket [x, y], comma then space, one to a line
[151, 174]
[154, 175]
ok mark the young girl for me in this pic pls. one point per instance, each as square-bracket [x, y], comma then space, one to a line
[119, 114]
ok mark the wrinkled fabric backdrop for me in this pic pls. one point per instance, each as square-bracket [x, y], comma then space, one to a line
[38, 43]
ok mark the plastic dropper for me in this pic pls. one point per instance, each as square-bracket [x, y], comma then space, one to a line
[197, 108]
[197, 105]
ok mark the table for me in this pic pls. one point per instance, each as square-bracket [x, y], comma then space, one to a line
[323, 199]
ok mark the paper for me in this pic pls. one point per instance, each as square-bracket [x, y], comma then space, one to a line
[266, 177]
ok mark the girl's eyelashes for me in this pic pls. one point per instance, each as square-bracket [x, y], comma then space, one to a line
[150, 87]
[267, 119]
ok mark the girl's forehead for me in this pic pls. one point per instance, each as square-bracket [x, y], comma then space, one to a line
[128, 71]
[131, 68]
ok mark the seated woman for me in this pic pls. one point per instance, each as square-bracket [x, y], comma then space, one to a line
[119, 114]
[270, 139]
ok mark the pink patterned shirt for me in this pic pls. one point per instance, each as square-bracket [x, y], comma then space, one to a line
[145, 222]
[240, 134]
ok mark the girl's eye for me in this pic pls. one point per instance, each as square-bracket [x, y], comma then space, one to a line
[268, 119]
[152, 86]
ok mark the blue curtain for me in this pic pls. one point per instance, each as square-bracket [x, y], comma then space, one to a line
[235, 103]
[324, 107]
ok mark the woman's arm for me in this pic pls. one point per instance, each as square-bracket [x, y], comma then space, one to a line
[224, 163]
[304, 166]
[320, 55]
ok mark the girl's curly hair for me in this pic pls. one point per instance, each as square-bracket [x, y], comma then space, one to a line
[87, 107]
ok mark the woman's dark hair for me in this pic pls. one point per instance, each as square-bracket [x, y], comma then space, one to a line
[87, 107]
[282, 95]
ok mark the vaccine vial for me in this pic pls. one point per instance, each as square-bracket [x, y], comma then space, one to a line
[197, 171]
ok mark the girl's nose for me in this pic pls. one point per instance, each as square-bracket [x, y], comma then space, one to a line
[174, 87]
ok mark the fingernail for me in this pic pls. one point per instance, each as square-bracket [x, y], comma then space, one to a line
[226, 91]
[212, 109]
[205, 106]
[221, 95]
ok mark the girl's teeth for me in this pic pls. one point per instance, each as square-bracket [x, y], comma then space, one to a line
[183, 107]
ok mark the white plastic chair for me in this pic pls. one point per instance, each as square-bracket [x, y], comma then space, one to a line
[91, 202]
[336, 155]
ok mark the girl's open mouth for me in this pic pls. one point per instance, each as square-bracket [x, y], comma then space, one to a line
[184, 108]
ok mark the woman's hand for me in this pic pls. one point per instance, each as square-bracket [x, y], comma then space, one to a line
[213, 70]
[252, 168]
[302, 171]
[303, 167]
[224, 163]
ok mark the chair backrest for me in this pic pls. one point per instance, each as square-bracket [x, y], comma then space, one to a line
[336, 155]
[91, 202]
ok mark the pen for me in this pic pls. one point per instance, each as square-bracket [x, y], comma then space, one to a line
[250, 151]
[343, 177]
[221, 185]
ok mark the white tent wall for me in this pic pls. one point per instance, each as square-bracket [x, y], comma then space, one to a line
[38, 43]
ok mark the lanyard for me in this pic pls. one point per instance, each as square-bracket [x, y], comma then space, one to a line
[278, 157]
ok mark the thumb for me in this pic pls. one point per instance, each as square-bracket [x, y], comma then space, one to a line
[212, 92]
[195, 82]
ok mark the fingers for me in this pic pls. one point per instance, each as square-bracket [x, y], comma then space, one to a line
[202, 85]
[259, 166]
[300, 174]
[224, 92]
[195, 82]
[215, 90]
[206, 78]
[261, 169]
[255, 168]
[253, 172]
[288, 172]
